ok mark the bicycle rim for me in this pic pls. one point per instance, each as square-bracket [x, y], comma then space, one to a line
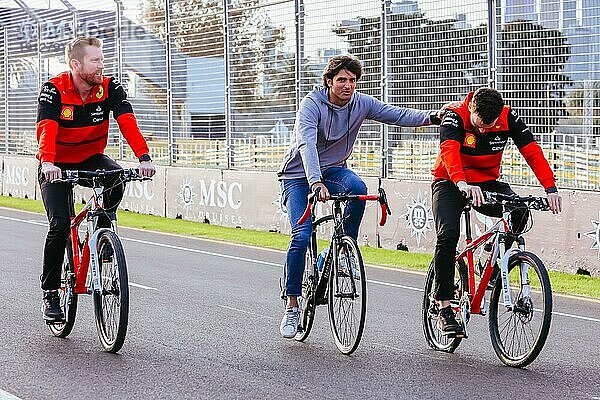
[519, 335]
[347, 296]
[112, 305]
[430, 310]
[68, 298]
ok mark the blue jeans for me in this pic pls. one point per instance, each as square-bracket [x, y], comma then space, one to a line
[295, 198]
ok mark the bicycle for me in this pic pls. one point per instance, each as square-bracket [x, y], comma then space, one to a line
[95, 263]
[341, 284]
[516, 334]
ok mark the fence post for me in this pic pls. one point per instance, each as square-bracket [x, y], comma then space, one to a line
[5, 61]
[384, 89]
[170, 138]
[119, 46]
[228, 148]
[492, 37]
[299, 4]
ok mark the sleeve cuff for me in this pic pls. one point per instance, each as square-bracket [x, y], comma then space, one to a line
[551, 189]
[433, 118]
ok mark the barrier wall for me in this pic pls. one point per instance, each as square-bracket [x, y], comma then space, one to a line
[251, 200]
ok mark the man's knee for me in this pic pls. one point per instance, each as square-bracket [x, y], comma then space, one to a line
[59, 226]
[301, 235]
[448, 237]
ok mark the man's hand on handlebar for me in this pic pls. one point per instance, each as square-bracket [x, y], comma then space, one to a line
[146, 169]
[555, 202]
[323, 192]
[51, 172]
[472, 192]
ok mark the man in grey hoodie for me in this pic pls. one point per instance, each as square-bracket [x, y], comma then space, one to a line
[326, 127]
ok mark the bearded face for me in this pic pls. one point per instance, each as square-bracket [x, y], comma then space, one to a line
[90, 69]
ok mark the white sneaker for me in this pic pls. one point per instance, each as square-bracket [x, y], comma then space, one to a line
[289, 322]
[343, 264]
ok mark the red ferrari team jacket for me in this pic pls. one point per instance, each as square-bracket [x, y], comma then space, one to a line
[472, 156]
[70, 130]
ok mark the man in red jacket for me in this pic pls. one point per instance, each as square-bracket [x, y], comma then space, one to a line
[473, 136]
[72, 132]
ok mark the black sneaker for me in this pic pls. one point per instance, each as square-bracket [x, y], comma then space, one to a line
[51, 310]
[447, 322]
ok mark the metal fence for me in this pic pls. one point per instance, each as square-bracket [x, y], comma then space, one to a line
[216, 83]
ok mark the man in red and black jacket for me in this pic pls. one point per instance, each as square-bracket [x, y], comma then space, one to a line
[473, 136]
[72, 132]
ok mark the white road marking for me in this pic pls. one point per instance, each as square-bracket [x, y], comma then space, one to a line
[395, 285]
[209, 253]
[244, 311]
[141, 286]
[269, 264]
[578, 317]
[7, 396]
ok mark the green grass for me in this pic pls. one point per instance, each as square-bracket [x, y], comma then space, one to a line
[561, 281]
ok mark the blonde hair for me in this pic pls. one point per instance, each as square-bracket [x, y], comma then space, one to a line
[75, 49]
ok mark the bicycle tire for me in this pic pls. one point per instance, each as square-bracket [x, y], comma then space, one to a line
[517, 323]
[68, 298]
[346, 327]
[307, 302]
[430, 310]
[111, 307]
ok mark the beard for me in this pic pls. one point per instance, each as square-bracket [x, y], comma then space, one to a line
[91, 78]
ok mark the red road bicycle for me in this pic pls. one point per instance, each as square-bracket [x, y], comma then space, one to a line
[95, 262]
[341, 282]
[520, 305]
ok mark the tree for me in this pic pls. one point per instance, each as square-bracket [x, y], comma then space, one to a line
[429, 62]
[530, 64]
[261, 73]
[583, 105]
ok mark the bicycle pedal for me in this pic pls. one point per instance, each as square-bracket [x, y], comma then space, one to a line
[55, 321]
[455, 335]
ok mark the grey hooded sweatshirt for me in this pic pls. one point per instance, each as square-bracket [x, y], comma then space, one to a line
[325, 133]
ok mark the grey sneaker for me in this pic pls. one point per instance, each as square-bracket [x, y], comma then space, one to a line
[289, 322]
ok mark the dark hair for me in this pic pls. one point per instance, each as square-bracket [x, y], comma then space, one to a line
[338, 63]
[488, 104]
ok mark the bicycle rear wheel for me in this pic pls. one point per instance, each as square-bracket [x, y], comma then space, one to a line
[518, 335]
[112, 305]
[430, 309]
[347, 296]
[307, 303]
[68, 298]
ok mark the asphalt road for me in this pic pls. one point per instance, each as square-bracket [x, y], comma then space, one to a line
[204, 319]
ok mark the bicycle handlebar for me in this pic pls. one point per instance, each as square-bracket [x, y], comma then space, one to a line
[533, 202]
[74, 176]
[381, 198]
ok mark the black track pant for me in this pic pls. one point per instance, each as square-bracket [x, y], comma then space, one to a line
[56, 201]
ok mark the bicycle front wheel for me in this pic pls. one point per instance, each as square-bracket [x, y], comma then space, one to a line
[518, 335]
[68, 298]
[347, 296]
[111, 306]
[430, 309]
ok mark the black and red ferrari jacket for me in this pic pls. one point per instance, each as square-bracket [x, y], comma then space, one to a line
[472, 156]
[70, 130]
